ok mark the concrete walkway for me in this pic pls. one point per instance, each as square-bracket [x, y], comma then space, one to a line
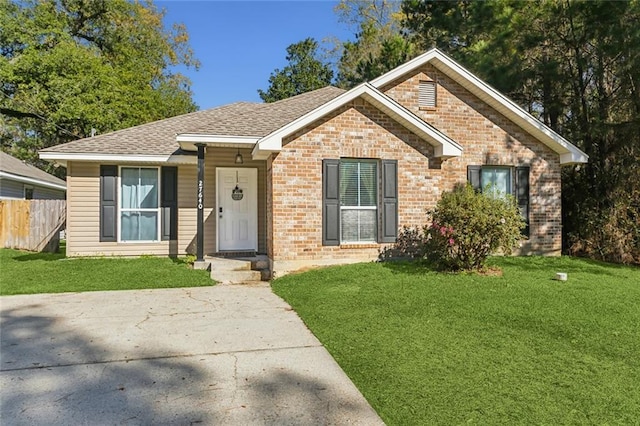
[229, 354]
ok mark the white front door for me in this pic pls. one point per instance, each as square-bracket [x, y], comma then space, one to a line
[237, 208]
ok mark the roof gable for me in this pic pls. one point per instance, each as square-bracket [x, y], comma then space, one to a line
[569, 153]
[444, 146]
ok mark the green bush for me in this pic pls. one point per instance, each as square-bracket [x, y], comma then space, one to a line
[466, 227]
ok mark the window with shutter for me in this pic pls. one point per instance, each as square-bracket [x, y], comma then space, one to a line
[427, 94]
[497, 181]
[358, 200]
[353, 211]
[132, 208]
[139, 204]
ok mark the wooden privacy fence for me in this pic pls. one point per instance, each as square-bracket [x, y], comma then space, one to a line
[32, 224]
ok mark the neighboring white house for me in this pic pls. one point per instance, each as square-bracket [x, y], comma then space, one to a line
[19, 180]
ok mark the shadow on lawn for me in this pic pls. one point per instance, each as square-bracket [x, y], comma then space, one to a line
[24, 256]
[38, 256]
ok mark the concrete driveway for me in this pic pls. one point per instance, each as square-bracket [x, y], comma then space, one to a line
[229, 354]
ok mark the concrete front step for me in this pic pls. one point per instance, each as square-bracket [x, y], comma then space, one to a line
[235, 277]
[222, 264]
[239, 270]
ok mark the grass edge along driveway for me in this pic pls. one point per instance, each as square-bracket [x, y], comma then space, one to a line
[24, 272]
[430, 348]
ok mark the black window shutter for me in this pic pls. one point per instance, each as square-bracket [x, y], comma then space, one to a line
[108, 203]
[473, 177]
[169, 204]
[330, 202]
[522, 195]
[389, 216]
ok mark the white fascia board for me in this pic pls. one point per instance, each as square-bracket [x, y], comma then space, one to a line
[273, 141]
[447, 151]
[513, 111]
[573, 158]
[496, 99]
[75, 156]
[32, 181]
[261, 154]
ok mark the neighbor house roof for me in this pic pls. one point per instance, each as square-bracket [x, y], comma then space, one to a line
[568, 152]
[158, 138]
[12, 168]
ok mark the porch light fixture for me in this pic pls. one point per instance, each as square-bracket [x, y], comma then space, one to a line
[239, 159]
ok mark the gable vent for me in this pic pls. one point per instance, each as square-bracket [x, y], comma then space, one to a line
[427, 94]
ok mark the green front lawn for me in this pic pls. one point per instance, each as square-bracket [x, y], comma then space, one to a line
[26, 273]
[429, 348]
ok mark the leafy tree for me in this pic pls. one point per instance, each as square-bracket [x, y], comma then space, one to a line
[574, 65]
[393, 52]
[70, 66]
[305, 72]
[379, 45]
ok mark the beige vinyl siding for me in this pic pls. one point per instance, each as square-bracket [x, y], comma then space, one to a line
[83, 209]
[83, 218]
[187, 212]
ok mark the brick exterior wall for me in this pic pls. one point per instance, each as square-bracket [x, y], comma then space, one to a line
[488, 138]
[294, 176]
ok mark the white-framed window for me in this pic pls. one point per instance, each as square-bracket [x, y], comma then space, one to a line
[139, 206]
[427, 94]
[496, 180]
[358, 200]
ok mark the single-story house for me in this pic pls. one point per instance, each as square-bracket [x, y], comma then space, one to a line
[328, 176]
[22, 181]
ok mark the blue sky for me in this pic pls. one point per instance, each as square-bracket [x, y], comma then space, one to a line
[239, 43]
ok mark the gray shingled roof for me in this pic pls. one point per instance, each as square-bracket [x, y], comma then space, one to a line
[238, 119]
[9, 164]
